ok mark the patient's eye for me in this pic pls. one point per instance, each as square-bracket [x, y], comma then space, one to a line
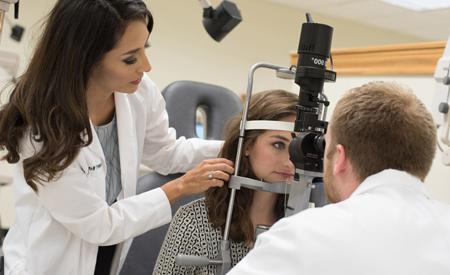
[279, 145]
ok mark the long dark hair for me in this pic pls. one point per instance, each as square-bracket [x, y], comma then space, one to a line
[48, 104]
[267, 105]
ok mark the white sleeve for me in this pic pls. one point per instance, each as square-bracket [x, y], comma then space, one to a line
[72, 201]
[162, 151]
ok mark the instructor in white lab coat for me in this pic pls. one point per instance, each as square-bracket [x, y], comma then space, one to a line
[380, 145]
[79, 122]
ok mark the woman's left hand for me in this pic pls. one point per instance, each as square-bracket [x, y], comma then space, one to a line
[209, 173]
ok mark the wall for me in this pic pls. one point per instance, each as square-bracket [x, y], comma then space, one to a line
[181, 48]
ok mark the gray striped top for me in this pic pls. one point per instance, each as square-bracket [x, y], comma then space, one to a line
[191, 233]
[107, 134]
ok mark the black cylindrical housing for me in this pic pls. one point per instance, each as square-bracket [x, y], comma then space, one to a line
[315, 39]
[307, 148]
[306, 151]
[313, 51]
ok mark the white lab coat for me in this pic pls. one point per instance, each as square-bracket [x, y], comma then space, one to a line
[389, 225]
[59, 230]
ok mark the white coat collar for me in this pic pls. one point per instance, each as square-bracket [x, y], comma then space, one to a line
[127, 144]
[390, 177]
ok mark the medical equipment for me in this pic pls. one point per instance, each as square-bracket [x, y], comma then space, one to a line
[9, 61]
[306, 149]
[16, 30]
[4, 7]
[222, 20]
[441, 103]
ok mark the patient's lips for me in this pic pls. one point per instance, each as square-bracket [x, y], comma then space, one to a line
[285, 175]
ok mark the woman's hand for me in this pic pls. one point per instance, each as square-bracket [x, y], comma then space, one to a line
[209, 173]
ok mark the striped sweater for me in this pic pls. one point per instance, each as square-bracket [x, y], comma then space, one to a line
[191, 233]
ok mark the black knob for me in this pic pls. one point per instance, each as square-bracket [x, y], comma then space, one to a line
[443, 107]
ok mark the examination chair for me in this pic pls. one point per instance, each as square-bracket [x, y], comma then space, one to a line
[183, 98]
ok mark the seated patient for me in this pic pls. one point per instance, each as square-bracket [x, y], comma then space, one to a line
[197, 227]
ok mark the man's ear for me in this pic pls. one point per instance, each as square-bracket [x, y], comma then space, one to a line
[340, 160]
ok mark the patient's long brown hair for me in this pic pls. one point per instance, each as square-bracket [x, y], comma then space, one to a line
[268, 105]
[48, 104]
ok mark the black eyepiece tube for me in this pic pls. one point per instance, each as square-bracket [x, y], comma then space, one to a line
[313, 51]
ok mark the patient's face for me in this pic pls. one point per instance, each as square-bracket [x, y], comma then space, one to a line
[269, 155]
